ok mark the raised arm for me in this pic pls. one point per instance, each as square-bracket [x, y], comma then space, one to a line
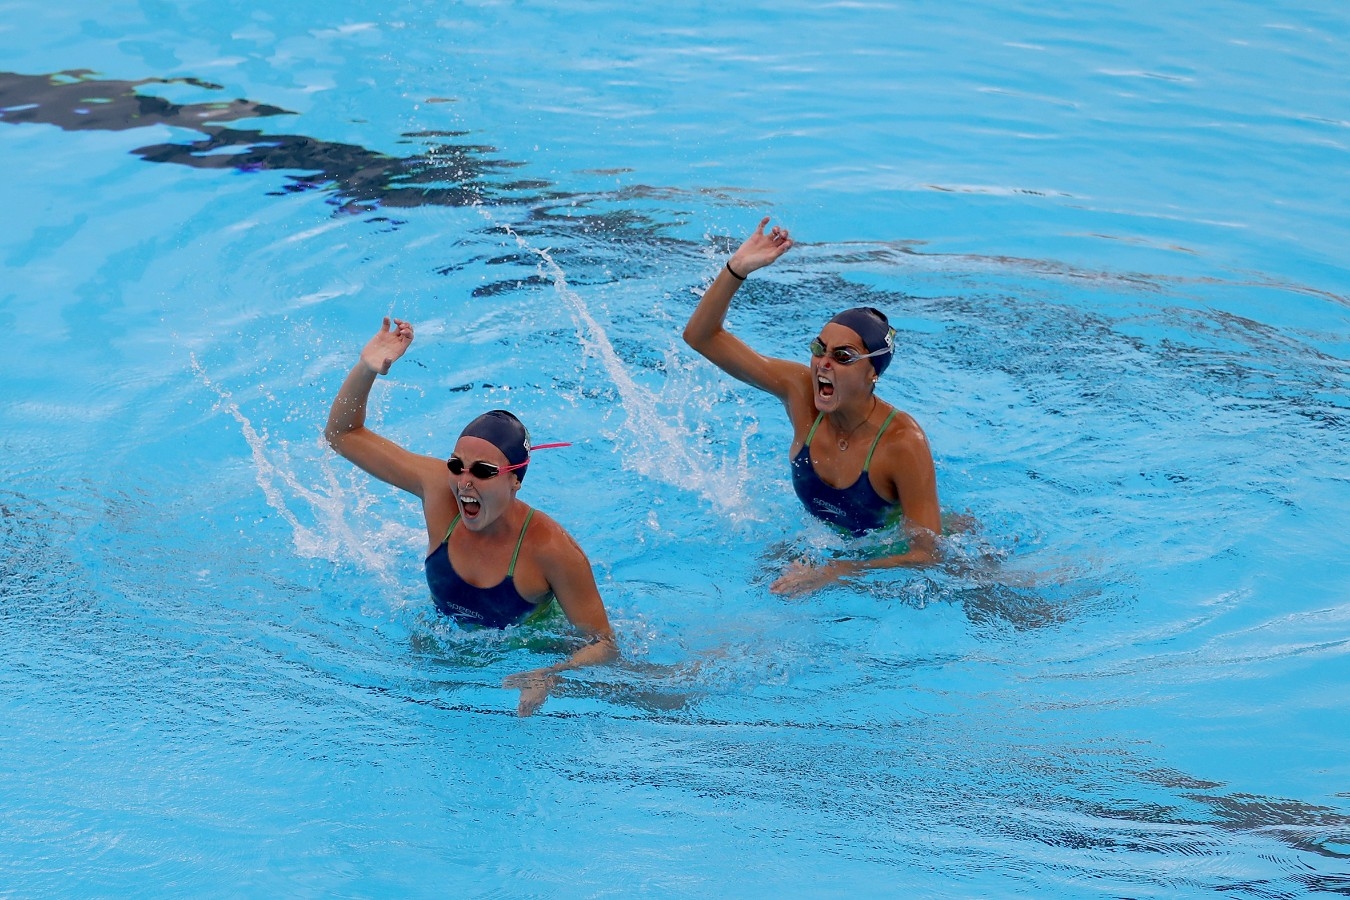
[347, 432]
[706, 331]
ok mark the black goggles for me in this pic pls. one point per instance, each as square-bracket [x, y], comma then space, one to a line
[480, 470]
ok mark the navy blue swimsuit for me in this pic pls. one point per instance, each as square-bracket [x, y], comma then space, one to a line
[492, 607]
[857, 508]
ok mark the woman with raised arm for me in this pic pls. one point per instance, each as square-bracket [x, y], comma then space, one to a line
[858, 463]
[492, 561]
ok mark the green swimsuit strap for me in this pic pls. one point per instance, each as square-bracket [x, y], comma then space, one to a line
[867, 463]
[812, 433]
[453, 523]
[520, 540]
[511, 570]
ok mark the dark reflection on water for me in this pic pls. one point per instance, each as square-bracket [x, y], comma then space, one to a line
[1302, 826]
[446, 175]
[443, 174]
[1076, 362]
[361, 180]
[1230, 354]
[608, 232]
[73, 101]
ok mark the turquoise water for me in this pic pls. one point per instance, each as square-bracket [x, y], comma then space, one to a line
[1112, 239]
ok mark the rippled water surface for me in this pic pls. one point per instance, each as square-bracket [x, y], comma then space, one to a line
[1112, 239]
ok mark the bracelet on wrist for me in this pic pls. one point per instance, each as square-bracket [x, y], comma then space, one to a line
[733, 272]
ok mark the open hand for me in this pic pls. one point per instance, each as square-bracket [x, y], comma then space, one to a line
[802, 578]
[760, 249]
[534, 688]
[387, 345]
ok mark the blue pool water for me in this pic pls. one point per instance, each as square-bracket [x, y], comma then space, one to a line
[1112, 238]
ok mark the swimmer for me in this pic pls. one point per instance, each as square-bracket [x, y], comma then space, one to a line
[492, 561]
[858, 463]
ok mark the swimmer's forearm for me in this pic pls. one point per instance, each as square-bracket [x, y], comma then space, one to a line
[711, 313]
[348, 412]
[756, 252]
[922, 552]
[537, 684]
[596, 653]
[706, 334]
[912, 559]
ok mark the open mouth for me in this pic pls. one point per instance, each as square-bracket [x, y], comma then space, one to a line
[824, 387]
[469, 506]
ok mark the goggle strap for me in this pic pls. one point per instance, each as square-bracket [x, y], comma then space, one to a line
[852, 359]
[512, 468]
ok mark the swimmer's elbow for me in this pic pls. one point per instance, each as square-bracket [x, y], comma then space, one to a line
[702, 339]
[338, 438]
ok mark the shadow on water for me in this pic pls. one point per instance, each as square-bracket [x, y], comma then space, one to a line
[445, 174]
[360, 180]
[1086, 798]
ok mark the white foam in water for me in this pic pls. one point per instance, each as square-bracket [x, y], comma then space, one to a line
[662, 450]
[333, 537]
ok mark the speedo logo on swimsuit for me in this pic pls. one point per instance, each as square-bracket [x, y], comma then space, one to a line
[827, 508]
[459, 612]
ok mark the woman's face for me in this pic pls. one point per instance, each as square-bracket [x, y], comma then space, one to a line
[838, 384]
[482, 500]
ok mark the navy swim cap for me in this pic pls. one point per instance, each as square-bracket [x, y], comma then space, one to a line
[874, 329]
[505, 432]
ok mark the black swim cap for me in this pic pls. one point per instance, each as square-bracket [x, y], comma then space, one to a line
[875, 330]
[505, 432]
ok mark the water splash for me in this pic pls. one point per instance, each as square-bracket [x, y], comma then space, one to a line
[333, 536]
[662, 446]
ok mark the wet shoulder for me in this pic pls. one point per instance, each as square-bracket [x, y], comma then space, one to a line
[549, 543]
[902, 444]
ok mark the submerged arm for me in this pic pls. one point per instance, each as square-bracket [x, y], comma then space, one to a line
[803, 578]
[915, 483]
[573, 583]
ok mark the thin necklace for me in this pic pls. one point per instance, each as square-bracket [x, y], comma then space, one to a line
[843, 441]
